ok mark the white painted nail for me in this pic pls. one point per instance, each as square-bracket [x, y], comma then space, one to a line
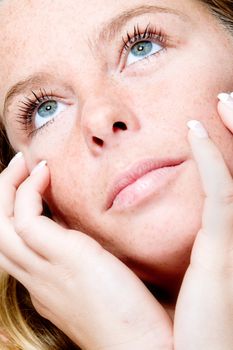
[39, 166]
[198, 129]
[227, 99]
[17, 156]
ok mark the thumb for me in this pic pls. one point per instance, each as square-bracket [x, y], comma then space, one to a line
[225, 109]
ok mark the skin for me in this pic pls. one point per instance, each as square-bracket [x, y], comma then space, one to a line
[90, 85]
[72, 290]
[178, 85]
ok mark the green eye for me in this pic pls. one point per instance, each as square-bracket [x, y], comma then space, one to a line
[47, 109]
[141, 49]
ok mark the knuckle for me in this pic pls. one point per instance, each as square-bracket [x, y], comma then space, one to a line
[23, 228]
[3, 174]
[22, 188]
[225, 196]
[40, 307]
[4, 182]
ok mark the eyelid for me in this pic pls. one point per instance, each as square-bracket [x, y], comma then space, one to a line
[29, 106]
[136, 35]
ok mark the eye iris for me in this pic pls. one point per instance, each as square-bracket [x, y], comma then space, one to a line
[47, 109]
[142, 48]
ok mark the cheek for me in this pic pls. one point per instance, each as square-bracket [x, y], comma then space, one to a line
[176, 96]
[70, 173]
[73, 194]
[52, 142]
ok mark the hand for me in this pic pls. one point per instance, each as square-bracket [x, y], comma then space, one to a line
[204, 311]
[76, 284]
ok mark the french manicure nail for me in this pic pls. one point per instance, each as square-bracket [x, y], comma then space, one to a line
[198, 129]
[227, 99]
[39, 166]
[17, 156]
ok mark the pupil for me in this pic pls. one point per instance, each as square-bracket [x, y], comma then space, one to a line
[47, 109]
[142, 49]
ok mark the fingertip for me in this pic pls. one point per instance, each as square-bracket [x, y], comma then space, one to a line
[199, 140]
[39, 167]
[197, 129]
[225, 110]
[40, 176]
[17, 157]
[16, 171]
[17, 163]
[224, 97]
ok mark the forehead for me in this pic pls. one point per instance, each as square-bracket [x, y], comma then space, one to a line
[44, 35]
[34, 30]
[32, 19]
[27, 16]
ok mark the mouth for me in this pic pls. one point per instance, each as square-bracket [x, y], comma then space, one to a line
[140, 181]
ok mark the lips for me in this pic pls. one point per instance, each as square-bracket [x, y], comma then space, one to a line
[134, 173]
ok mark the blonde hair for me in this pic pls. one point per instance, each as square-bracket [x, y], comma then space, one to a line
[21, 324]
[19, 321]
[223, 10]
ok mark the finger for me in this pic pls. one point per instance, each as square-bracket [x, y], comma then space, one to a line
[217, 220]
[28, 201]
[15, 250]
[11, 245]
[41, 234]
[215, 175]
[12, 269]
[10, 179]
[225, 109]
[24, 277]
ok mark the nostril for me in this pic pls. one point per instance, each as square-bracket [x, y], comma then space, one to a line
[119, 126]
[98, 141]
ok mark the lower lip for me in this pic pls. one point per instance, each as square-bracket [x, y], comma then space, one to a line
[145, 187]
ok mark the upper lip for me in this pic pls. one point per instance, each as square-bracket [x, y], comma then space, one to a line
[136, 171]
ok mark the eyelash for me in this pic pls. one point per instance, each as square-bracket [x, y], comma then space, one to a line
[138, 35]
[30, 105]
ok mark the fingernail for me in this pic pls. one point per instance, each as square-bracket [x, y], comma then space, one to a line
[198, 129]
[227, 99]
[39, 166]
[17, 156]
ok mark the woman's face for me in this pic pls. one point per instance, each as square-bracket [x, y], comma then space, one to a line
[109, 87]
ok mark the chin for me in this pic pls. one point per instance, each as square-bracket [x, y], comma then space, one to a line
[164, 271]
[156, 243]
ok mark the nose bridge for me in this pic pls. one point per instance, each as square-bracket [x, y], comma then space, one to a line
[104, 117]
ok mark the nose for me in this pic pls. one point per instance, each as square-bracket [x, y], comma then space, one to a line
[106, 122]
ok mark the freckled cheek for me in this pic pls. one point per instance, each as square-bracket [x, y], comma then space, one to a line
[70, 194]
[165, 100]
[53, 143]
[174, 102]
[182, 92]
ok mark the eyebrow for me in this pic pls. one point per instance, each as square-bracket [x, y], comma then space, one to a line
[115, 24]
[108, 32]
[34, 80]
